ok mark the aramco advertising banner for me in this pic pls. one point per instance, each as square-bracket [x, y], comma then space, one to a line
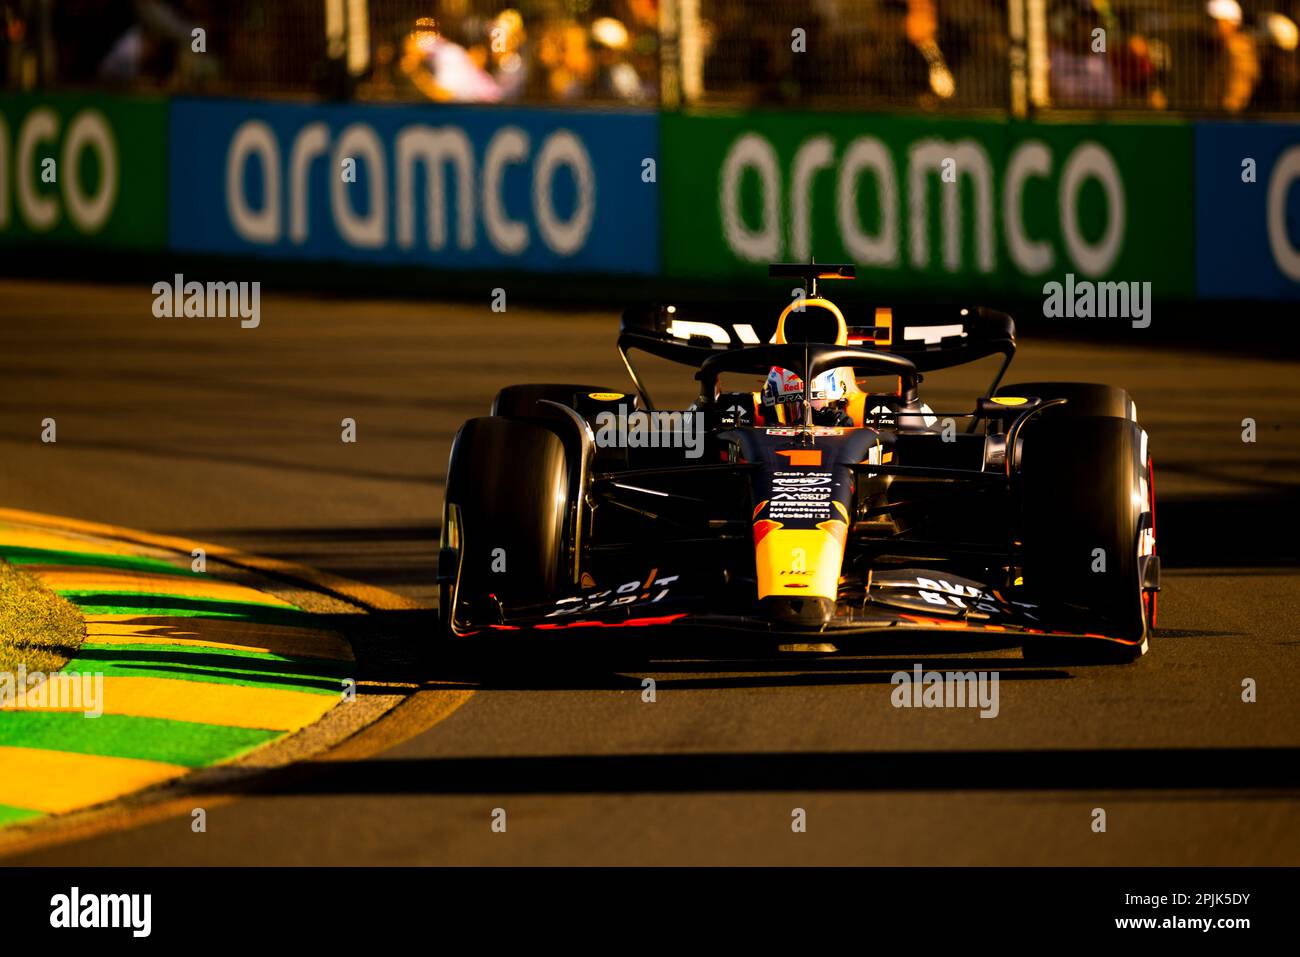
[928, 204]
[1248, 210]
[923, 205]
[83, 169]
[443, 187]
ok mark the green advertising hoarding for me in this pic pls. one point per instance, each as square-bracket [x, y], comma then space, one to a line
[929, 205]
[83, 169]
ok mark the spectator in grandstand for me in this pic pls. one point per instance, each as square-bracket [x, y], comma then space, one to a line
[642, 20]
[1130, 49]
[1080, 75]
[507, 53]
[922, 27]
[380, 84]
[564, 53]
[1279, 68]
[442, 69]
[129, 41]
[897, 57]
[616, 77]
[160, 46]
[22, 59]
[1240, 62]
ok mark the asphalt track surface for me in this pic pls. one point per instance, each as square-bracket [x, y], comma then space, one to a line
[199, 428]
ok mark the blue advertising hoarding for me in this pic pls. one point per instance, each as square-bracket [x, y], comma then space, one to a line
[1247, 210]
[438, 186]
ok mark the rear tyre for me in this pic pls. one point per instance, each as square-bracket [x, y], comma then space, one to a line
[1085, 503]
[520, 401]
[1083, 399]
[504, 516]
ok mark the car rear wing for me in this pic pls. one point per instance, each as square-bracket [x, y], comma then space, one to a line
[932, 337]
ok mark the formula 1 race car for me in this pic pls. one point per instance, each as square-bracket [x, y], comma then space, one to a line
[825, 509]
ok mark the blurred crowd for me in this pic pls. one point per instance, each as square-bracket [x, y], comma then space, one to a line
[1221, 55]
[98, 42]
[1185, 55]
[1189, 55]
[454, 50]
[563, 52]
[907, 52]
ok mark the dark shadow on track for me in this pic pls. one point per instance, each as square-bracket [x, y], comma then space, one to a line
[1090, 770]
[715, 676]
[402, 647]
[1216, 532]
[388, 556]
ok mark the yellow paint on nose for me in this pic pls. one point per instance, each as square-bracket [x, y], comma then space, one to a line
[804, 562]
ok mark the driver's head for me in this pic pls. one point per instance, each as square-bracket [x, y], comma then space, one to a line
[784, 395]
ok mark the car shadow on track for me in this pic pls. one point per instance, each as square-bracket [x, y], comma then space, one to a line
[400, 648]
[620, 673]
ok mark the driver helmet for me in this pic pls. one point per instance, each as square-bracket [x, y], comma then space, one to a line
[784, 394]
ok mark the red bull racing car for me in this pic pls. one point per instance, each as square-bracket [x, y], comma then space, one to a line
[823, 504]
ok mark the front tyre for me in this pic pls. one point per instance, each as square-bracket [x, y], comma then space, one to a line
[504, 519]
[1087, 529]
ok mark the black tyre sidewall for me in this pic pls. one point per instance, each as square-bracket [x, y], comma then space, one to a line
[510, 481]
[1080, 491]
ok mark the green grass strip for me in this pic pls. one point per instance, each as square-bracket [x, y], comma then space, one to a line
[301, 665]
[12, 815]
[211, 665]
[183, 606]
[186, 743]
[21, 555]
